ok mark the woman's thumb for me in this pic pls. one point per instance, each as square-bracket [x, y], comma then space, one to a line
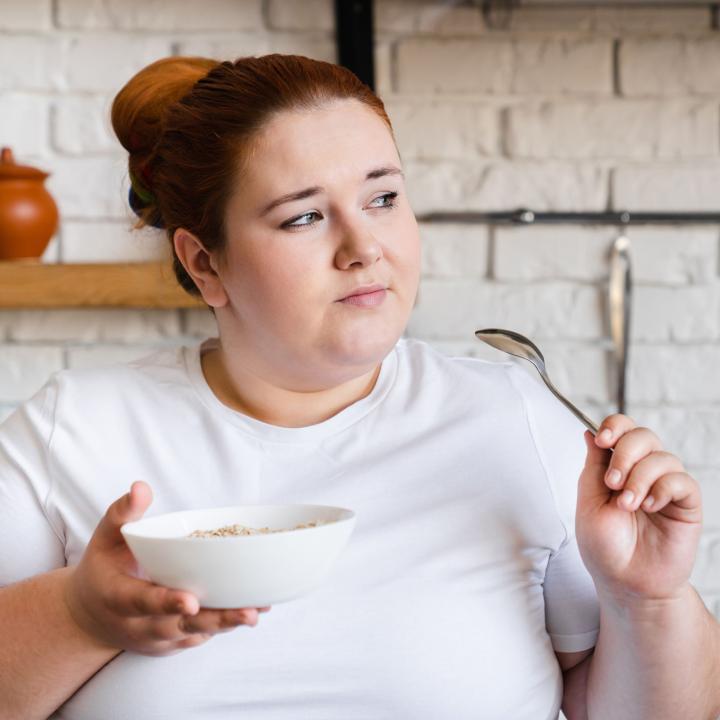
[131, 506]
[592, 487]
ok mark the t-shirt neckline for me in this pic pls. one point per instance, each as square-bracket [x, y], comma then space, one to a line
[276, 433]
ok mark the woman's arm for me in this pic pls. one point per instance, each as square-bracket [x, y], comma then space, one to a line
[59, 628]
[574, 667]
[638, 524]
[657, 660]
[44, 655]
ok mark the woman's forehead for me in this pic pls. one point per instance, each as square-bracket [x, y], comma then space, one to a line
[336, 143]
[344, 131]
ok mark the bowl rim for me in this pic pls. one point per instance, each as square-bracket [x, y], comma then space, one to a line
[128, 529]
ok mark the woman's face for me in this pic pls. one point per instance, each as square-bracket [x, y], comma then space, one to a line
[320, 212]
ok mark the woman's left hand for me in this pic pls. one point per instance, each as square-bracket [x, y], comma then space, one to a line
[639, 514]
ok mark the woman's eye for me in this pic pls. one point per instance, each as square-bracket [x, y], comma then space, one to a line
[304, 220]
[295, 222]
[387, 196]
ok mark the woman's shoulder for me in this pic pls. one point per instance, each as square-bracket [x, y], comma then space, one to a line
[103, 389]
[479, 381]
[156, 366]
[428, 359]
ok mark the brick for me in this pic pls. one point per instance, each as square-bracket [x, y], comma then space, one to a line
[112, 242]
[459, 66]
[222, 46]
[427, 17]
[24, 123]
[307, 15]
[610, 20]
[454, 309]
[454, 250]
[563, 66]
[231, 47]
[312, 45]
[122, 57]
[674, 255]
[30, 62]
[199, 323]
[580, 371]
[383, 68]
[552, 20]
[24, 370]
[666, 188]
[709, 481]
[671, 20]
[614, 129]
[680, 375]
[688, 432]
[551, 253]
[670, 315]
[438, 186]
[159, 15]
[89, 187]
[427, 130]
[105, 355]
[89, 326]
[81, 126]
[33, 15]
[669, 66]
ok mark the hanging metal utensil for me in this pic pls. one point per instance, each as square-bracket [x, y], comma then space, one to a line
[620, 297]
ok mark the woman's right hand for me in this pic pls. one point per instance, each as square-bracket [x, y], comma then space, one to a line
[111, 604]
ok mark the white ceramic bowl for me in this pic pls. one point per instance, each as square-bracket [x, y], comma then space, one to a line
[246, 570]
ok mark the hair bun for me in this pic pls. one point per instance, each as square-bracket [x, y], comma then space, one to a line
[138, 115]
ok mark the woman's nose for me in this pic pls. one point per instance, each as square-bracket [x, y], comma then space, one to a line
[358, 247]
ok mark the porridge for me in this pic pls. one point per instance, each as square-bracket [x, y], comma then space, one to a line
[236, 530]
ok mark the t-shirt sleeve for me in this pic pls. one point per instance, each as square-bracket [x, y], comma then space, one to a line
[29, 543]
[572, 611]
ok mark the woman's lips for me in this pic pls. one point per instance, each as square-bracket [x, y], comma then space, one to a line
[370, 299]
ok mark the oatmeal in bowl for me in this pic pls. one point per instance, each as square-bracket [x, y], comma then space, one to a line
[242, 556]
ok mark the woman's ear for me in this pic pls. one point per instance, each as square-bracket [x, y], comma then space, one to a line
[201, 267]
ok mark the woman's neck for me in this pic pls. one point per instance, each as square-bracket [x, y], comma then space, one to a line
[253, 396]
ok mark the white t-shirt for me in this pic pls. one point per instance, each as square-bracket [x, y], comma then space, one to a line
[461, 577]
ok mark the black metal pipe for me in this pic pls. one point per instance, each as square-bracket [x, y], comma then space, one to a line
[530, 217]
[354, 38]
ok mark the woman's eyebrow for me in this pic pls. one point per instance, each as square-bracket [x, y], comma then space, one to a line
[317, 189]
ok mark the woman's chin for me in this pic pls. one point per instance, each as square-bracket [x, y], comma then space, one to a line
[363, 352]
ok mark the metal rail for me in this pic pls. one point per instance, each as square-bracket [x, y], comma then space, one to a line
[524, 216]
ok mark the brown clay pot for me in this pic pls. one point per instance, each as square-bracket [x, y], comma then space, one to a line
[28, 214]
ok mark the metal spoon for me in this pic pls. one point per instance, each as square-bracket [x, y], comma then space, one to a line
[515, 344]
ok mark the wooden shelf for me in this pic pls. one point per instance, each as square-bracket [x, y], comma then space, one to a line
[32, 284]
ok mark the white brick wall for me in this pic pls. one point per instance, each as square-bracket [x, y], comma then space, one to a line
[568, 108]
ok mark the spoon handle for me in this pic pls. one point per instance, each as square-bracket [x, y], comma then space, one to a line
[589, 424]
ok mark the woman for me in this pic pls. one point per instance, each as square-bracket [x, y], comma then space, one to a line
[462, 593]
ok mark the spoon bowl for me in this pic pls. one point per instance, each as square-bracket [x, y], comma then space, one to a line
[518, 345]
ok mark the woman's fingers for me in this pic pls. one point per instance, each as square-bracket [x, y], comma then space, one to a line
[177, 629]
[611, 428]
[678, 488]
[643, 476]
[214, 621]
[628, 450]
[131, 597]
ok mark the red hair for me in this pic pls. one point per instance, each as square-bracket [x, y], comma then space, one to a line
[188, 124]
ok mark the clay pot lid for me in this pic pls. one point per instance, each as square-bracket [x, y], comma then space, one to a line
[9, 170]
